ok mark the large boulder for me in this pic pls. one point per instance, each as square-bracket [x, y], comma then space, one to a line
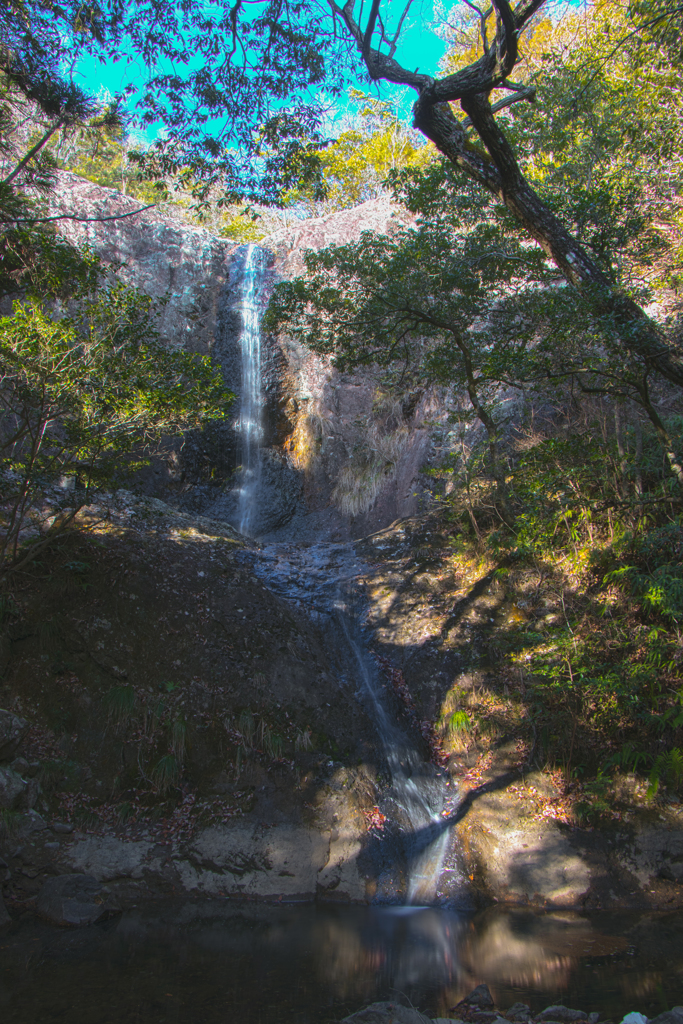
[12, 789]
[387, 1013]
[74, 900]
[12, 731]
[563, 1014]
[106, 858]
[481, 997]
[674, 1016]
[246, 859]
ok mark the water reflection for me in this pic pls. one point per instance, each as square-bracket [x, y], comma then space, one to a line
[206, 962]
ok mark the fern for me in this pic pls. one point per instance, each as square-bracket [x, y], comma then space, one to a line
[668, 767]
[660, 591]
[628, 758]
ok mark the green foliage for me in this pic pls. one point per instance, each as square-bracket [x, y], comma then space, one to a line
[242, 227]
[270, 742]
[55, 774]
[246, 725]
[86, 389]
[668, 767]
[125, 812]
[166, 773]
[595, 802]
[410, 299]
[629, 758]
[8, 608]
[660, 591]
[356, 166]
[303, 740]
[9, 823]
[459, 724]
[602, 143]
[103, 157]
[228, 116]
[657, 582]
[258, 736]
[179, 738]
[120, 702]
[89, 395]
[555, 484]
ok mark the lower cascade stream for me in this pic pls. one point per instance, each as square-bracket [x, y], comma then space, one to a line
[319, 580]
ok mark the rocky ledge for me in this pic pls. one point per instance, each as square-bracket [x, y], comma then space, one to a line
[478, 1008]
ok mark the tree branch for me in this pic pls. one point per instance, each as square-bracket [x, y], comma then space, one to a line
[81, 220]
[32, 152]
[394, 42]
[506, 40]
[523, 93]
[370, 28]
[483, 18]
[379, 65]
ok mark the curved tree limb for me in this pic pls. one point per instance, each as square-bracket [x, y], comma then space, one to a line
[495, 167]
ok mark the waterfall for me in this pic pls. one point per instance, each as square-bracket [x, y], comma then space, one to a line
[250, 425]
[417, 792]
[418, 802]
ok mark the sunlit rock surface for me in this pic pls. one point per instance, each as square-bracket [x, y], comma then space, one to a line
[155, 252]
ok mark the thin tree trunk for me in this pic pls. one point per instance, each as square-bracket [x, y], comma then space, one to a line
[672, 457]
[619, 435]
[33, 151]
[638, 430]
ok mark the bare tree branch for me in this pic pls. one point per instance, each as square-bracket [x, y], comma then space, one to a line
[370, 28]
[523, 93]
[483, 17]
[394, 42]
[81, 220]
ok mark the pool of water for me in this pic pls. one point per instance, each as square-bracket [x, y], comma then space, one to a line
[218, 962]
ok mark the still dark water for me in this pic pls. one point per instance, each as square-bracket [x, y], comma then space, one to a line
[220, 962]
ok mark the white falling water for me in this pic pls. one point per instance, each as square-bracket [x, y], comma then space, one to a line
[250, 423]
[419, 802]
[417, 794]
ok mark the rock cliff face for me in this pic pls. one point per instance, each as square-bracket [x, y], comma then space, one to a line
[318, 424]
[192, 273]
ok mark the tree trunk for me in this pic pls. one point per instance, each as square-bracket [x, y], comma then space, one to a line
[621, 448]
[638, 430]
[663, 434]
[497, 170]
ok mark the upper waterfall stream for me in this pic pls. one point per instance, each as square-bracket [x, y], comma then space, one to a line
[250, 423]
